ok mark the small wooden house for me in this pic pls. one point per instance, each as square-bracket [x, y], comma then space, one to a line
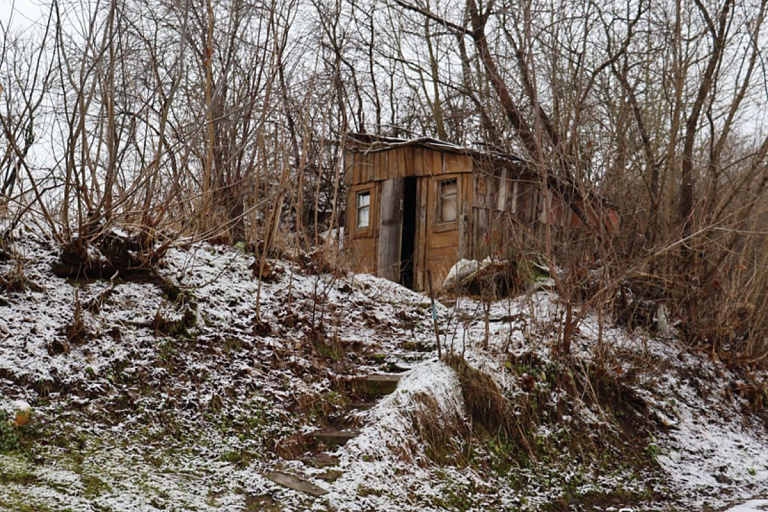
[421, 204]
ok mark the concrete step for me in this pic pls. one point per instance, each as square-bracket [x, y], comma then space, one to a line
[334, 437]
[296, 483]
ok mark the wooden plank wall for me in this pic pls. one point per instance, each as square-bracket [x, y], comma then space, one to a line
[361, 246]
[498, 212]
[507, 213]
[401, 163]
[436, 250]
[420, 250]
[441, 245]
[390, 229]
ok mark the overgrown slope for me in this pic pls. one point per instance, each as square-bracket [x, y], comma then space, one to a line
[178, 390]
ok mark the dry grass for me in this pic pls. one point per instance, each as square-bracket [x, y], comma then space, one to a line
[483, 398]
[441, 432]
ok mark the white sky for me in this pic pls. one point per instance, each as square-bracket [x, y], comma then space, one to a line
[22, 14]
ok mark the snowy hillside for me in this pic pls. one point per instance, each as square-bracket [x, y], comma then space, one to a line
[195, 388]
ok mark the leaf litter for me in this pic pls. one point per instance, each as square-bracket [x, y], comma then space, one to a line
[182, 392]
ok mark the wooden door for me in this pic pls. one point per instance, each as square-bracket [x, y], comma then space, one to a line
[390, 229]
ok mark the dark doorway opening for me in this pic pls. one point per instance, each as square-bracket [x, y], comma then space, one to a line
[407, 243]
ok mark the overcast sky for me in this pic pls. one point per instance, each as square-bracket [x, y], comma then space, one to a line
[22, 14]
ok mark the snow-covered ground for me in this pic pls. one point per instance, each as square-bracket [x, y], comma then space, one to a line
[181, 391]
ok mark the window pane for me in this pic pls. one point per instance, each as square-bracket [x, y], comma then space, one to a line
[448, 201]
[448, 209]
[362, 217]
[363, 209]
[449, 187]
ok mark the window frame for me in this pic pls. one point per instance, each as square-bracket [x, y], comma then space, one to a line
[364, 230]
[440, 224]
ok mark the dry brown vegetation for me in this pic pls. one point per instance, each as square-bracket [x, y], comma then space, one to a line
[225, 121]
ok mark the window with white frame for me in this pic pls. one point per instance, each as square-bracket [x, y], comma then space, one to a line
[448, 201]
[363, 209]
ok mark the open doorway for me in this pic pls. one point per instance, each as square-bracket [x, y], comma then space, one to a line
[408, 241]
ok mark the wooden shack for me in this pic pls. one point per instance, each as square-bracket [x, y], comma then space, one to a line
[421, 204]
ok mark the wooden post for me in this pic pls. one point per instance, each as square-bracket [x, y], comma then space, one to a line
[434, 313]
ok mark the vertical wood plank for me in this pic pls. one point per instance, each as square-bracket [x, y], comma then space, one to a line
[390, 229]
[418, 241]
[418, 162]
[392, 170]
[349, 164]
[424, 218]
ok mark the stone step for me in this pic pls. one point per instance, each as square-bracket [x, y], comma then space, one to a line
[376, 385]
[407, 359]
[296, 483]
[334, 437]
[399, 367]
[330, 475]
[320, 460]
[361, 406]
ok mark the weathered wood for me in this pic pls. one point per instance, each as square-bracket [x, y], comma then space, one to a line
[468, 192]
[393, 170]
[499, 205]
[407, 157]
[362, 252]
[390, 229]
[503, 190]
[444, 239]
[349, 165]
[462, 237]
[481, 218]
[437, 163]
[422, 225]
[447, 252]
[440, 268]
[512, 203]
[457, 163]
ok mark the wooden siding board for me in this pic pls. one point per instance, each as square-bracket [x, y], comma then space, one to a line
[421, 240]
[364, 254]
[392, 168]
[445, 239]
[417, 245]
[390, 229]
[481, 219]
[349, 165]
[495, 212]
[426, 162]
[360, 169]
[457, 163]
[379, 167]
[466, 238]
[375, 167]
[418, 162]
